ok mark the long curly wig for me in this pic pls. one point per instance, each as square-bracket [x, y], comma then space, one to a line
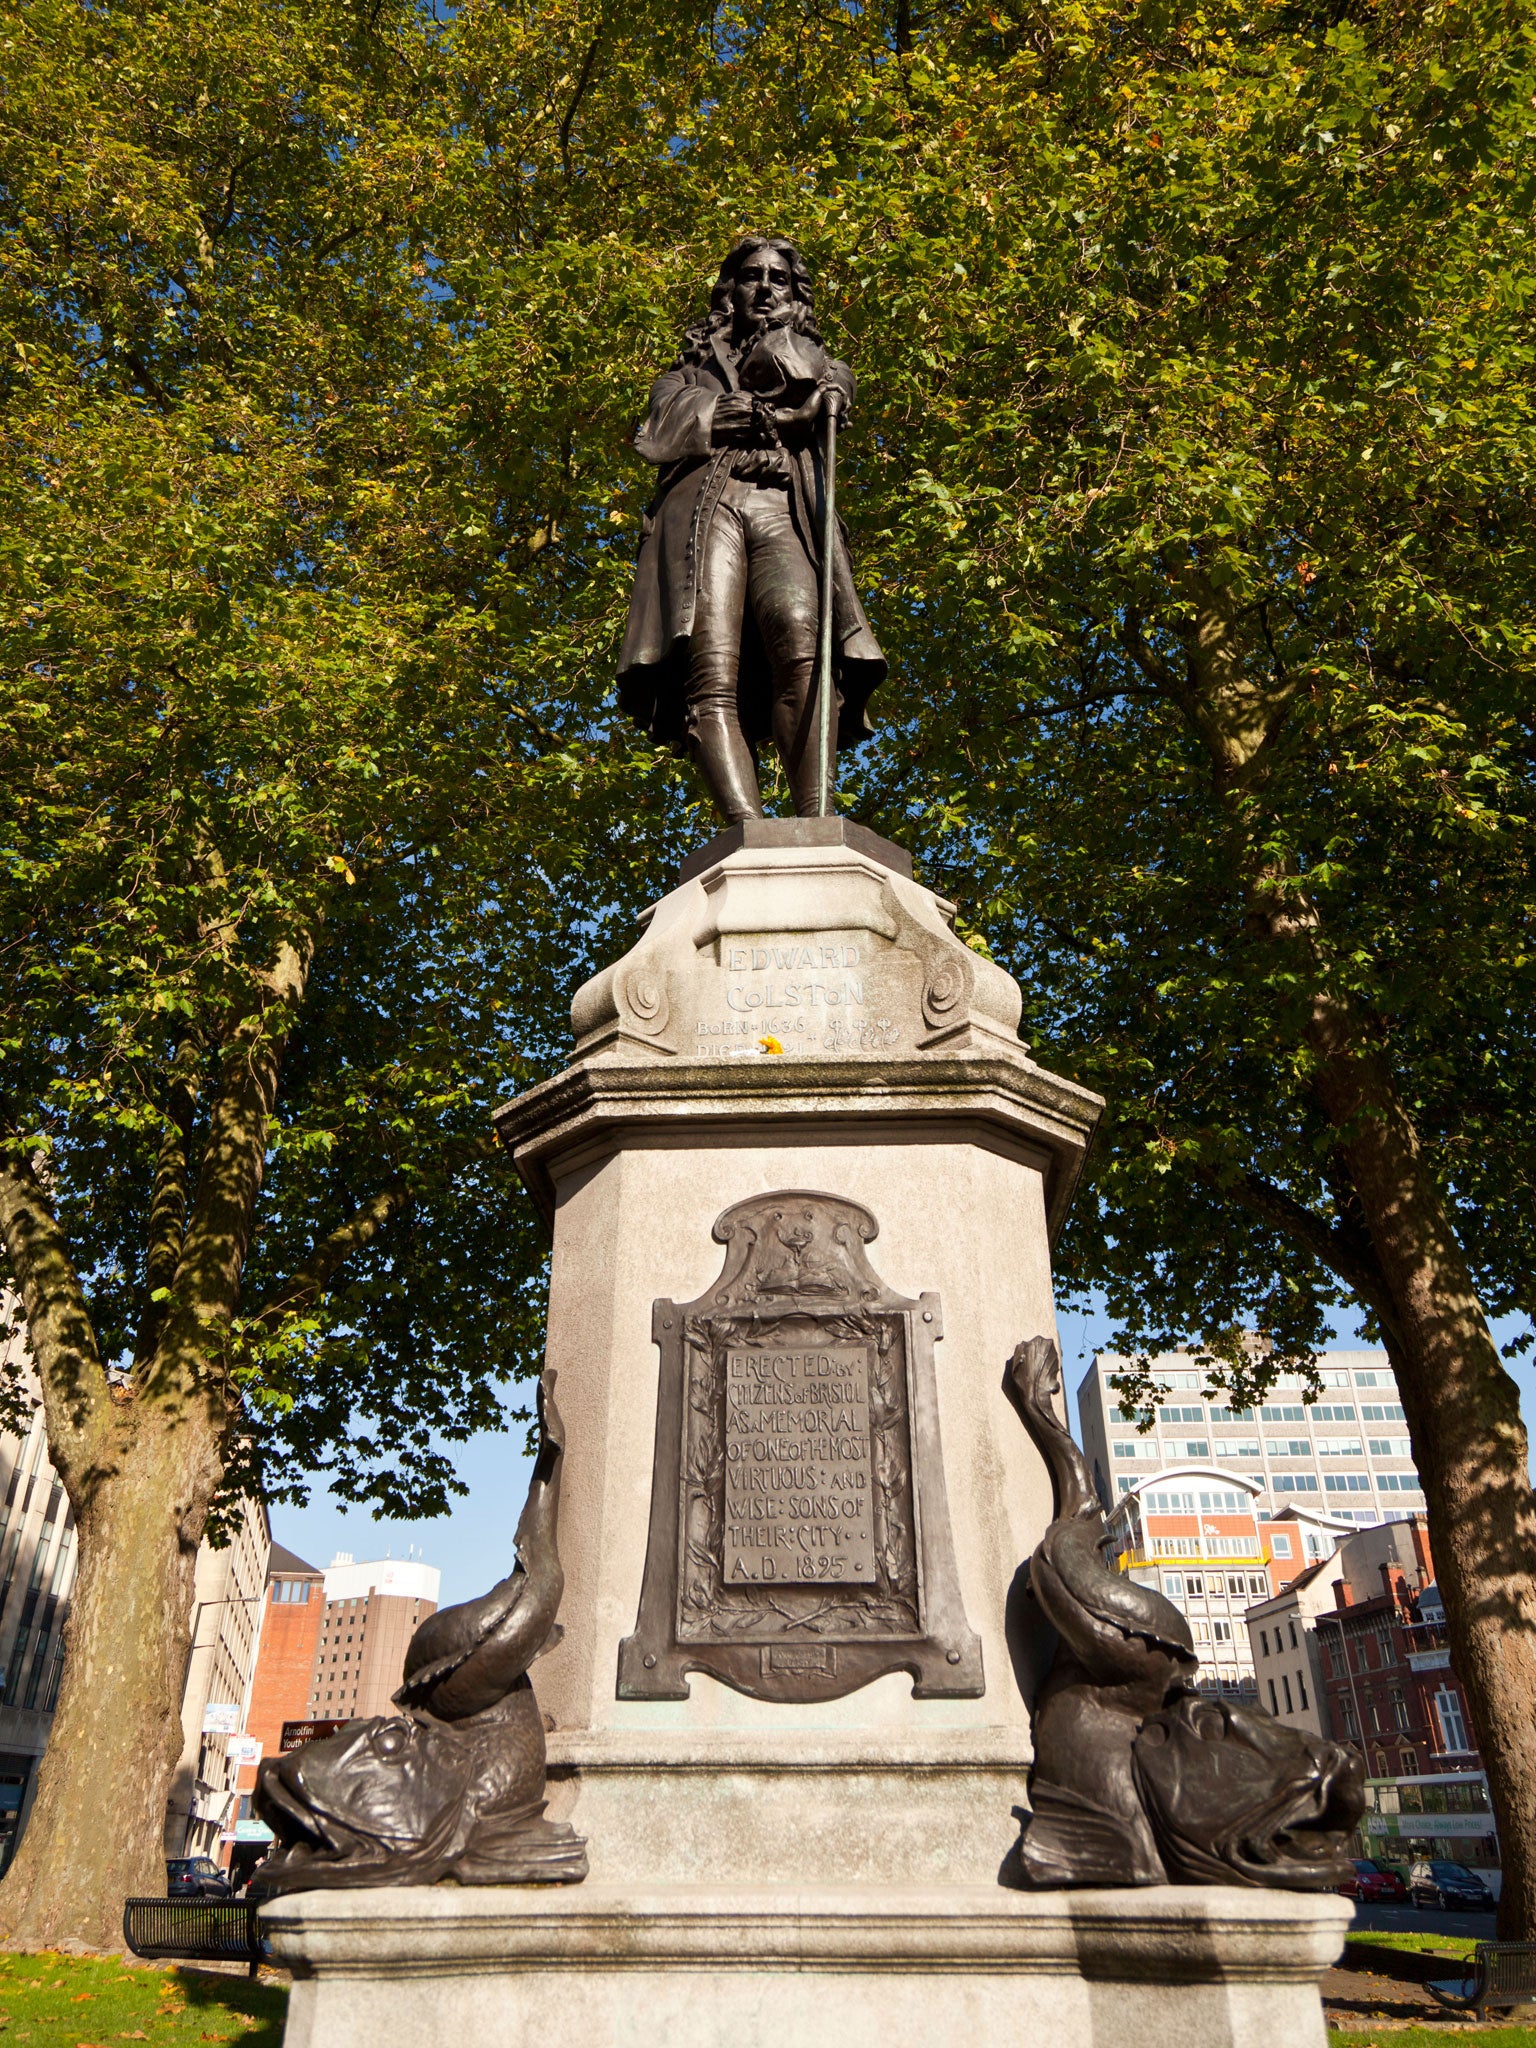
[718, 320]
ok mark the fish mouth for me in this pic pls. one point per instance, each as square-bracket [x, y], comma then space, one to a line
[307, 1834]
[1307, 1842]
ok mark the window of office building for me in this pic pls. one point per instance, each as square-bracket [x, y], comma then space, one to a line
[1453, 1728]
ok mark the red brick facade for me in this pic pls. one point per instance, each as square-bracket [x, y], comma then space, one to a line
[290, 1633]
[1390, 1688]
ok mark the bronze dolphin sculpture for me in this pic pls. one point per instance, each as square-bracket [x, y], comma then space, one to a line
[453, 1785]
[1137, 1777]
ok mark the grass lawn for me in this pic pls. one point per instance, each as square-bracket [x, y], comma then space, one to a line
[1458, 1945]
[1424, 2037]
[55, 2001]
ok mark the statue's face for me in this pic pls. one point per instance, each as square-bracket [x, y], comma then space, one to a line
[763, 289]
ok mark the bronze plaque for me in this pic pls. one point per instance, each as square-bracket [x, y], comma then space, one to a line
[797, 1466]
[799, 1536]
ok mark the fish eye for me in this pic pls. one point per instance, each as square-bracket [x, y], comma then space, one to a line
[1211, 1725]
[390, 1740]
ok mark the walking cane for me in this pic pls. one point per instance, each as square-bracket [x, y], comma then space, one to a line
[824, 664]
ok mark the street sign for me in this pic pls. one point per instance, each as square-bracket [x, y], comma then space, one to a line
[297, 1733]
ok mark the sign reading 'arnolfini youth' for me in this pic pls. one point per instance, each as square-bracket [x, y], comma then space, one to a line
[798, 1474]
[799, 1538]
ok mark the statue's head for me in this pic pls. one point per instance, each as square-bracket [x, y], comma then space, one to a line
[763, 282]
[1235, 1796]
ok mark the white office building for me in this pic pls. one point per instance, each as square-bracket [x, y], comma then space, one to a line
[1344, 1457]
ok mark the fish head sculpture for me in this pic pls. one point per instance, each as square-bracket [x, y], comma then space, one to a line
[365, 1796]
[1237, 1797]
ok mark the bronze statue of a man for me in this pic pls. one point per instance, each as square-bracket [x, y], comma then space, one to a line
[721, 647]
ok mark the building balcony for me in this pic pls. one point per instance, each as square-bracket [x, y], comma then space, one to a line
[1429, 1660]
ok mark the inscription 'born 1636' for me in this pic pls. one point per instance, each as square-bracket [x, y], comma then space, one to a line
[797, 1466]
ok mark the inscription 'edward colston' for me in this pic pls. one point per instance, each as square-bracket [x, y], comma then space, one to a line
[797, 1466]
[783, 965]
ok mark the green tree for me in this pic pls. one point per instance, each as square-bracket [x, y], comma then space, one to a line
[298, 871]
[1215, 548]
[1190, 486]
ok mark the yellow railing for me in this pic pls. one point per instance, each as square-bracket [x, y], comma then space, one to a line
[1133, 1560]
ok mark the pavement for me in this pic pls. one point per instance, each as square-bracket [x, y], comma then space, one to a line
[1382, 1987]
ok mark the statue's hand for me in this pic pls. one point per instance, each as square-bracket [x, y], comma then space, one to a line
[791, 416]
[735, 421]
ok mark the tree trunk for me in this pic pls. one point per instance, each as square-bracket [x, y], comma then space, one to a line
[1463, 1409]
[1469, 1444]
[95, 1832]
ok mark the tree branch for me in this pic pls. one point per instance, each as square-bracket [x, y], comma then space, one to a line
[576, 98]
[168, 1203]
[76, 1404]
[307, 1281]
[207, 1285]
[1342, 1250]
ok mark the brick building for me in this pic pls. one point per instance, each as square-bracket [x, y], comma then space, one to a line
[1369, 1626]
[285, 1662]
[1198, 1534]
[371, 1612]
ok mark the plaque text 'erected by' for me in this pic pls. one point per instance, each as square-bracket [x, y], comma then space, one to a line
[798, 1470]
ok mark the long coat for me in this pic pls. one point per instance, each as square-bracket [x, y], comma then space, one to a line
[653, 666]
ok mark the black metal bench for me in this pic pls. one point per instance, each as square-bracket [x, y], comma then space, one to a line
[195, 1930]
[1502, 1973]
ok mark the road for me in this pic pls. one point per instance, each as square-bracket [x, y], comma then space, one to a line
[1418, 1920]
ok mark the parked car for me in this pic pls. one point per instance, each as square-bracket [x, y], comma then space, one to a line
[195, 1877]
[1449, 1885]
[1375, 1885]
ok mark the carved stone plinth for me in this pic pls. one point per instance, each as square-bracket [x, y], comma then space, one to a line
[761, 1966]
[784, 1285]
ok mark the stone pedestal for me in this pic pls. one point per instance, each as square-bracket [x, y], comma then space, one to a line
[802, 1180]
[753, 1966]
[901, 1088]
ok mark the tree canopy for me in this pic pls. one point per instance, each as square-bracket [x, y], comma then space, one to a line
[1190, 487]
